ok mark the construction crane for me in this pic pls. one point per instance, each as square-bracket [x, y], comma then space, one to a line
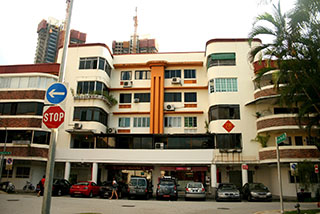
[134, 45]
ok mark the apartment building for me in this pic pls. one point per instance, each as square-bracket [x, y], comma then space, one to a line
[22, 94]
[143, 46]
[191, 115]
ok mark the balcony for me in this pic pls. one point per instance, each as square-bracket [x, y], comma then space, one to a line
[289, 153]
[110, 101]
[277, 122]
[27, 151]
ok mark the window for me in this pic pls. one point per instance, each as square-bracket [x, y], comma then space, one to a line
[94, 63]
[298, 140]
[40, 137]
[27, 108]
[228, 141]
[190, 122]
[223, 85]
[23, 172]
[141, 122]
[168, 74]
[142, 75]
[286, 110]
[312, 140]
[91, 87]
[190, 97]
[189, 73]
[125, 98]
[124, 122]
[90, 114]
[88, 63]
[26, 82]
[172, 122]
[221, 59]
[218, 112]
[125, 75]
[143, 97]
[172, 97]
[82, 142]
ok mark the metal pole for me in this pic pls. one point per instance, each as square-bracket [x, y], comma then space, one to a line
[279, 177]
[66, 43]
[295, 183]
[46, 203]
[4, 150]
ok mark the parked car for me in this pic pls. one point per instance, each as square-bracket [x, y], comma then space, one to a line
[60, 187]
[106, 189]
[256, 191]
[167, 188]
[195, 190]
[139, 187]
[85, 188]
[228, 192]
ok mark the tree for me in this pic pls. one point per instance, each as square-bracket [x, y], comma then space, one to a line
[296, 49]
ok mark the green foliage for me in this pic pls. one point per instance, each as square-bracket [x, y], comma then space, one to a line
[262, 139]
[305, 170]
[296, 49]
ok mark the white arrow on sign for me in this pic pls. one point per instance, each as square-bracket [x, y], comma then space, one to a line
[52, 93]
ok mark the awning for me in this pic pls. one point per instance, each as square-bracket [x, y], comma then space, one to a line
[81, 131]
[219, 56]
[262, 98]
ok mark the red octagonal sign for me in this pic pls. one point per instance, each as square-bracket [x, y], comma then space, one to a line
[53, 117]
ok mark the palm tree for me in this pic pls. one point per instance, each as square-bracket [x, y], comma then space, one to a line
[296, 49]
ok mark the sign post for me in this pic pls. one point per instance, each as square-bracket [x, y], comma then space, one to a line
[279, 140]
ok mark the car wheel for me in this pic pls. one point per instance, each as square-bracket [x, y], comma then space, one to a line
[72, 195]
[90, 194]
[59, 193]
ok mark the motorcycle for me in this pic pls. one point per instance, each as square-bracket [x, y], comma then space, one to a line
[7, 187]
[29, 186]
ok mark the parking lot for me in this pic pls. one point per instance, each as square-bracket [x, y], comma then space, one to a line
[30, 204]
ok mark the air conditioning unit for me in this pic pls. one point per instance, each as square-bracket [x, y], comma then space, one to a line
[176, 80]
[127, 84]
[77, 126]
[159, 145]
[169, 107]
[136, 100]
[111, 130]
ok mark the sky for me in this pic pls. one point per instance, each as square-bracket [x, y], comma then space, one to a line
[177, 25]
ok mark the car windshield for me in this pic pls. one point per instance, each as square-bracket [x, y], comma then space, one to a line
[167, 183]
[194, 185]
[258, 186]
[141, 182]
[83, 183]
[55, 181]
[228, 186]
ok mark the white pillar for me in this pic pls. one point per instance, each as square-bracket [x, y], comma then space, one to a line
[94, 175]
[67, 170]
[244, 170]
[213, 175]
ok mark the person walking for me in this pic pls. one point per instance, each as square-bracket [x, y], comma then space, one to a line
[114, 189]
[41, 184]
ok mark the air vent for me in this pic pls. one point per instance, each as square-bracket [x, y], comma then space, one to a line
[169, 107]
[77, 125]
[127, 84]
[176, 80]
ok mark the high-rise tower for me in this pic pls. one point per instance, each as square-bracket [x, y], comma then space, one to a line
[51, 37]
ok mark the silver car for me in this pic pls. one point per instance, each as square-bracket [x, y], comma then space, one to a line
[228, 192]
[195, 190]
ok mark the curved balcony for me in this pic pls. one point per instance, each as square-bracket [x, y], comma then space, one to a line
[27, 151]
[289, 153]
[106, 100]
[277, 122]
[14, 121]
[23, 94]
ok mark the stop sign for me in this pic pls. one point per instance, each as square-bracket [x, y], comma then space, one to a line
[53, 117]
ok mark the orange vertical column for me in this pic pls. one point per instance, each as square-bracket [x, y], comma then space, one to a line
[157, 97]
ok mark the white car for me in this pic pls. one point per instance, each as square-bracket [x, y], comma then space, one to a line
[195, 190]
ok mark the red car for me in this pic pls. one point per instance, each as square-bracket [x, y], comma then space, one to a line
[85, 188]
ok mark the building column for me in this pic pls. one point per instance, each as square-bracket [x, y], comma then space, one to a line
[94, 175]
[244, 170]
[213, 175]
[67, 169]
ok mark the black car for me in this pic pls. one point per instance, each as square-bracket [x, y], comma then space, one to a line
[256, 191]
[228, 192]
[167, 189]
[60, 187]
[106, 189]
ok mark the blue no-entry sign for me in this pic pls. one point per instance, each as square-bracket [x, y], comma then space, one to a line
[56, 93]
